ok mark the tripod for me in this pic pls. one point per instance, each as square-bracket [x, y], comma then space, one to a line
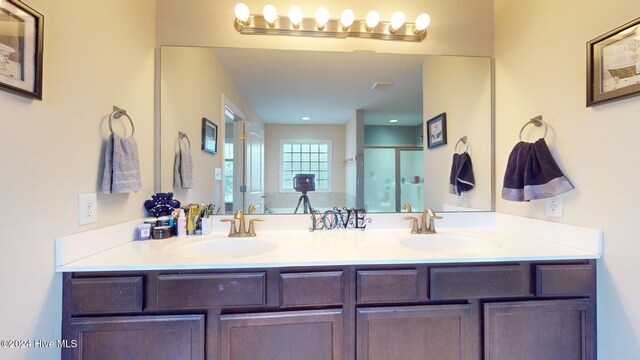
[307, 205]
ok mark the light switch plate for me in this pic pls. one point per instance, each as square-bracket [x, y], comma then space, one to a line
[218, 174]
[87, 208]
[554, 206]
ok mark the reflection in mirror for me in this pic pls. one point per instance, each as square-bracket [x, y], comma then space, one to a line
[355, 121]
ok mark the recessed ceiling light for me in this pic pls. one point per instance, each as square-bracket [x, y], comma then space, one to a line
[393, 120]
[306, 118]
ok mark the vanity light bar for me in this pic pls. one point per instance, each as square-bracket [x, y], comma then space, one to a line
[397, 29]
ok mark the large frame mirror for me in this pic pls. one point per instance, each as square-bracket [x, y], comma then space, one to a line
[354, 122]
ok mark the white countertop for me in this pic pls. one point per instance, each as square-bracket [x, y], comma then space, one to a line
[462, 237]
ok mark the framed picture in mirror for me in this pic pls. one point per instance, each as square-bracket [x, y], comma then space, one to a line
[21, 30]
[437, 131]
[209, 136]
[613, 64]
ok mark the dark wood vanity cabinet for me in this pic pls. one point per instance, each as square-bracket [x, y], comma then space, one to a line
[532, 330]
[414, 332]
[137, 337]
[289, 335]
[496, 311]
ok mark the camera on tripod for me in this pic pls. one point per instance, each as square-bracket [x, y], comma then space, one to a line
[304, 182]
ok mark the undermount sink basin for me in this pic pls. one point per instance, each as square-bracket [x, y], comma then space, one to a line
[448, 243]
[237, 247]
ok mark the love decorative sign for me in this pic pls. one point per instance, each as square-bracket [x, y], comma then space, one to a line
[339, 219]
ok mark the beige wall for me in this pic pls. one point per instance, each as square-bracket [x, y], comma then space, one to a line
[458, 27]
[273, 134]
[192, 84]
[540, 70]
[461, 87]
[101, 53]
[97, 54]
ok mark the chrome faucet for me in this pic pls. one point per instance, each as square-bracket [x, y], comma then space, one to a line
[241, 229]
[425, 225]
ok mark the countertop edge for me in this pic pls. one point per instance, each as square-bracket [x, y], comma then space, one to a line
[70, 268]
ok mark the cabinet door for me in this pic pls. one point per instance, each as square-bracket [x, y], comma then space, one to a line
[534, 330]
[434, 332]
[137, 337]
[293, 335]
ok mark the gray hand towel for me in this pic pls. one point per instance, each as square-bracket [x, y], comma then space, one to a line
[532, 173]
[121, 166]
[183, 170]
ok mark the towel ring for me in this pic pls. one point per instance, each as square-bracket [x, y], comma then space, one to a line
[464, 142]
[181, 136]
[537, 121]
[117, 114]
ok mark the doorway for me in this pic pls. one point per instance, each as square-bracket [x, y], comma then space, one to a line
[244, 162]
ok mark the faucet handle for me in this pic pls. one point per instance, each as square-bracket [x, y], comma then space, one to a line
[429, 227]
[432, 214]
[414, 223]
[407, 206]
[252, 227]
[232, 229]
[250, 209]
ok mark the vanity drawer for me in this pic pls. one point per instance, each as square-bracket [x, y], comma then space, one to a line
[311, 289]
[211, 290]
[389, 286]
[554, 280]
[106, 295]
[471, 282]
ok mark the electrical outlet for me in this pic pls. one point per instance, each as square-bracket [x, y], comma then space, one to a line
[554, 206]
[87, 209]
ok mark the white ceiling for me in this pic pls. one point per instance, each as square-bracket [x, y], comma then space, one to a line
[284, 85]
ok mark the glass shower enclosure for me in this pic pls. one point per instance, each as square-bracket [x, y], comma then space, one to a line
[392, 177]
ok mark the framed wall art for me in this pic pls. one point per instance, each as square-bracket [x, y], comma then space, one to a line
[437, 131]
[613, 64]
[21, 38]
[209, 136]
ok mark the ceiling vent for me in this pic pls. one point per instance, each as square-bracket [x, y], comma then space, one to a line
[381, 85]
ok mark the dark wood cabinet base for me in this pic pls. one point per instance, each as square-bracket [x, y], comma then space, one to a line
[483, 311]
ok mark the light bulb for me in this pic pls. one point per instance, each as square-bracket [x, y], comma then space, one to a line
[397, 20]
[322, 17]
[372, 19]
[422, 21]
[270, 14]
[242, 12]
[347, 18]
[295, 15]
